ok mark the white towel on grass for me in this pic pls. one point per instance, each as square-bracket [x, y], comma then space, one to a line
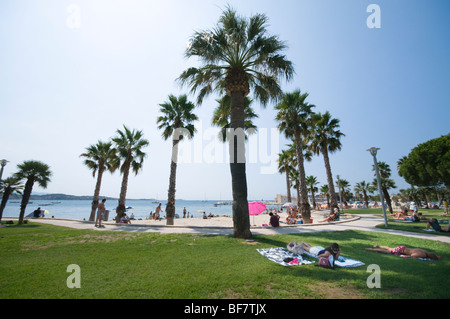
[342, 261]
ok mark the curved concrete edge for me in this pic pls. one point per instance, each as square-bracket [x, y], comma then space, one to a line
[283, 226]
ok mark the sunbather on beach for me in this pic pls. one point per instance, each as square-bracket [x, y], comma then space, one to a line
[403, 250]
[334, 250]
[331, 217]
[432, 222]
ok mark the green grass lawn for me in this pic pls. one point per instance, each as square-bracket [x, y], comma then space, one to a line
[35, 257]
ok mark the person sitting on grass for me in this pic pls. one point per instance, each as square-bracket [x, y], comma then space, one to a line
[403, 250]
[332, 216]
[432, 222]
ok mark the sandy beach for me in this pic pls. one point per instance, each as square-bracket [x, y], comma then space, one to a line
[223, 221]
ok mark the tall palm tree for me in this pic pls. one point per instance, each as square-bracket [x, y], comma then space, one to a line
[344, 186]
[99, 157]
[311, 182]
[325, 138]
[221, 117]
[129, 145]
[9, 186]
[237, 55]
[364, 189]
[177, 122]
[32, 172]
[294, 117]
[285, 166]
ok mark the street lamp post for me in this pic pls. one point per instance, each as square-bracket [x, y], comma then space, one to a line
[3, 163]
[373, 151]
[340, 194]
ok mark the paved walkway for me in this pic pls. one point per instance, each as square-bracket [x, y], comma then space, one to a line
[362, 222]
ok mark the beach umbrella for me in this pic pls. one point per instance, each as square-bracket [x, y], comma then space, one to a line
[289, 205]
[256, 208]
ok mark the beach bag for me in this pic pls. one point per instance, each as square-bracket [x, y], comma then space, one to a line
[326, 262]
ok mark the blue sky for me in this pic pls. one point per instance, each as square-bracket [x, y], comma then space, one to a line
[62, 88]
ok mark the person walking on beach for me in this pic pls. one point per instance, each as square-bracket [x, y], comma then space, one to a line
[100, 213]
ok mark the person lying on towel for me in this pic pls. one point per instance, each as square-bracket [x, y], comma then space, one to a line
[405, 251]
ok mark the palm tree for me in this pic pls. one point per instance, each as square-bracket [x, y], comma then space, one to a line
[237, 55]
[325, 138]
[294, 177]
[285, 166]
[386, 182]
[311, 182]
[294, 115]
[9, 186]
[364, 188]
[177, 122]
[100, 157]
[221, 117]
[344, 186]
[32, 172]
[326, 190]
[129, 145]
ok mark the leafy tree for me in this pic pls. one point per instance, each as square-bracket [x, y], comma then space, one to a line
[32, 172]
[177, 122]
[100, 157]
[428, 163]
[237, 56]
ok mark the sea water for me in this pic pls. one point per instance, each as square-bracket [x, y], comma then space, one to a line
[81, 209]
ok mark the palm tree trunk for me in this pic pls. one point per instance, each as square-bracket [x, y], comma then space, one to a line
[313, 197]
[96, 193]
[5, 198]
[366, 199]
[170, 208]
[303, 204]
[120, 210]
[333, 202]
[241, 218]
[288, 184]
[387, 198]
[25, 198]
